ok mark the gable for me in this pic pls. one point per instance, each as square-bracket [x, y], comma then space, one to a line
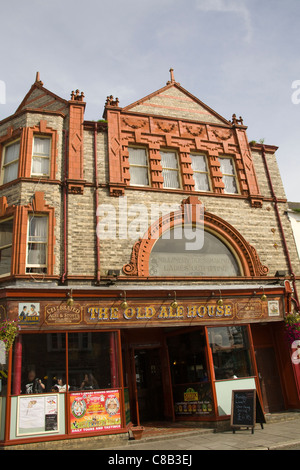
[41, 99]
[174, 101]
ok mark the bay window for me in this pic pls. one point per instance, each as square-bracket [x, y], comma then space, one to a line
[10, 165]
[6, 234]
[41, 156]
[37, 244]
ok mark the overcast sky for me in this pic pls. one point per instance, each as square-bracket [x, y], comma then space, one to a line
[237, 56]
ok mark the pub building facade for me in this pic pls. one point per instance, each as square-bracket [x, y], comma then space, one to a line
[149, 263]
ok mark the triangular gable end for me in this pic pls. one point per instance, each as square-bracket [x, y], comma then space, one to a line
[174, 101]
[39, 98]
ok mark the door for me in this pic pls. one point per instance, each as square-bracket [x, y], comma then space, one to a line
[149, 384]
[269, 379]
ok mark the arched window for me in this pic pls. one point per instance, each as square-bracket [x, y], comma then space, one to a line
[174, 255]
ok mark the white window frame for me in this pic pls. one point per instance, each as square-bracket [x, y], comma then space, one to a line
[207, 172]
[5, 165]
[42, 267]
[233, 175]
[7, 246]
[172, 169]
[36, 155]
[140, 166]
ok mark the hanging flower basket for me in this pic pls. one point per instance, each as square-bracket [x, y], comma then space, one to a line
[292, 325]
[8, 332]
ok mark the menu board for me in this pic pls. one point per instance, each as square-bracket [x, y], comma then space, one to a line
[37, 414]
[246, 409]
[94, 411]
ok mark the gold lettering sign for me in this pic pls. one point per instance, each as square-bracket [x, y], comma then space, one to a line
[63, 314]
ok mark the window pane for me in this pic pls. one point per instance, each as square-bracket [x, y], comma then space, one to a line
[169, 160]
[37, 229]
[230, 184]
[171, 179]
[137, 156]
[230, 349]
[36, 254]
[41, 361]
[93, 361]
[201, 182]
[41, 146]
[40, 166]
[227, 167]
[12, 152]
[139, 175]
[6, 228]
[10, 172]
[199, 163]
[5, 260]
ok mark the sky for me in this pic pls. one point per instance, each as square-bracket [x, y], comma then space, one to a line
[237, 56]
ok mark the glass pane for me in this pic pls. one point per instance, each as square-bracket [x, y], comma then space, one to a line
[139, 176]
[36, 254]
[137, 156]
[37, 229]
[40, 166]
[43, 364]
[230, 349]
[169, 160]
[93, 362]
[230, 184]
[201, 182]
[41, 146]
[10, 172]
[171, 179]
[6, 229]
[198, 163]
[12, 152]
[170, 256]
[227, 167]
[5, 260]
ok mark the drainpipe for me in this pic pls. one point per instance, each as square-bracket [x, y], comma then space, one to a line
[275, 200]
[96, 205]
[65, 208]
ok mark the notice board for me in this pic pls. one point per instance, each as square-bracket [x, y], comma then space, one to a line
[246, 409]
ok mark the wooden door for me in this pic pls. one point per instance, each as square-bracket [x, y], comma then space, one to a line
[269, 379]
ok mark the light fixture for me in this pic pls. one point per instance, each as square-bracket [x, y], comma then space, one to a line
[220, 301]
[70, 300]
[174, 304]
[263, 297]
[124, 304]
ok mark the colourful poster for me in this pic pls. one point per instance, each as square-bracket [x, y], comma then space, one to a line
[95, 411]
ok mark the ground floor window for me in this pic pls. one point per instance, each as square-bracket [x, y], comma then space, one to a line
[230, 351]
[57, 362]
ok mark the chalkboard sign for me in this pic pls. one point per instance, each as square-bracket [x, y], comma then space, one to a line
[246, 409]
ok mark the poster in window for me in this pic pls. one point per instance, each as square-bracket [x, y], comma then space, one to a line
[95, 411]
[37, 414]
[273, 308]
[29, 313]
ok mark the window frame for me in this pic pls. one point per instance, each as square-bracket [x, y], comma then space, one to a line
[234, 175]
[207, 172]
[140, 166]
[44, 268]
[33, 156]
[171, 169]
[4, 166]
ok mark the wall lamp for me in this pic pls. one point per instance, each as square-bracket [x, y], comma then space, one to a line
[263, 297]
[124, 304]
[174, 304]
[220, 301]
[70, 300]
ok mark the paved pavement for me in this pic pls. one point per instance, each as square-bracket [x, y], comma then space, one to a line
[274, 436]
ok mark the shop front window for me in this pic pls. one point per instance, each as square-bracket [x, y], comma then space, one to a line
[60, 362]
[230, 351]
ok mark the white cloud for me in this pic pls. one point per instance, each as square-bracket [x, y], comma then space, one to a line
[229, 6]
